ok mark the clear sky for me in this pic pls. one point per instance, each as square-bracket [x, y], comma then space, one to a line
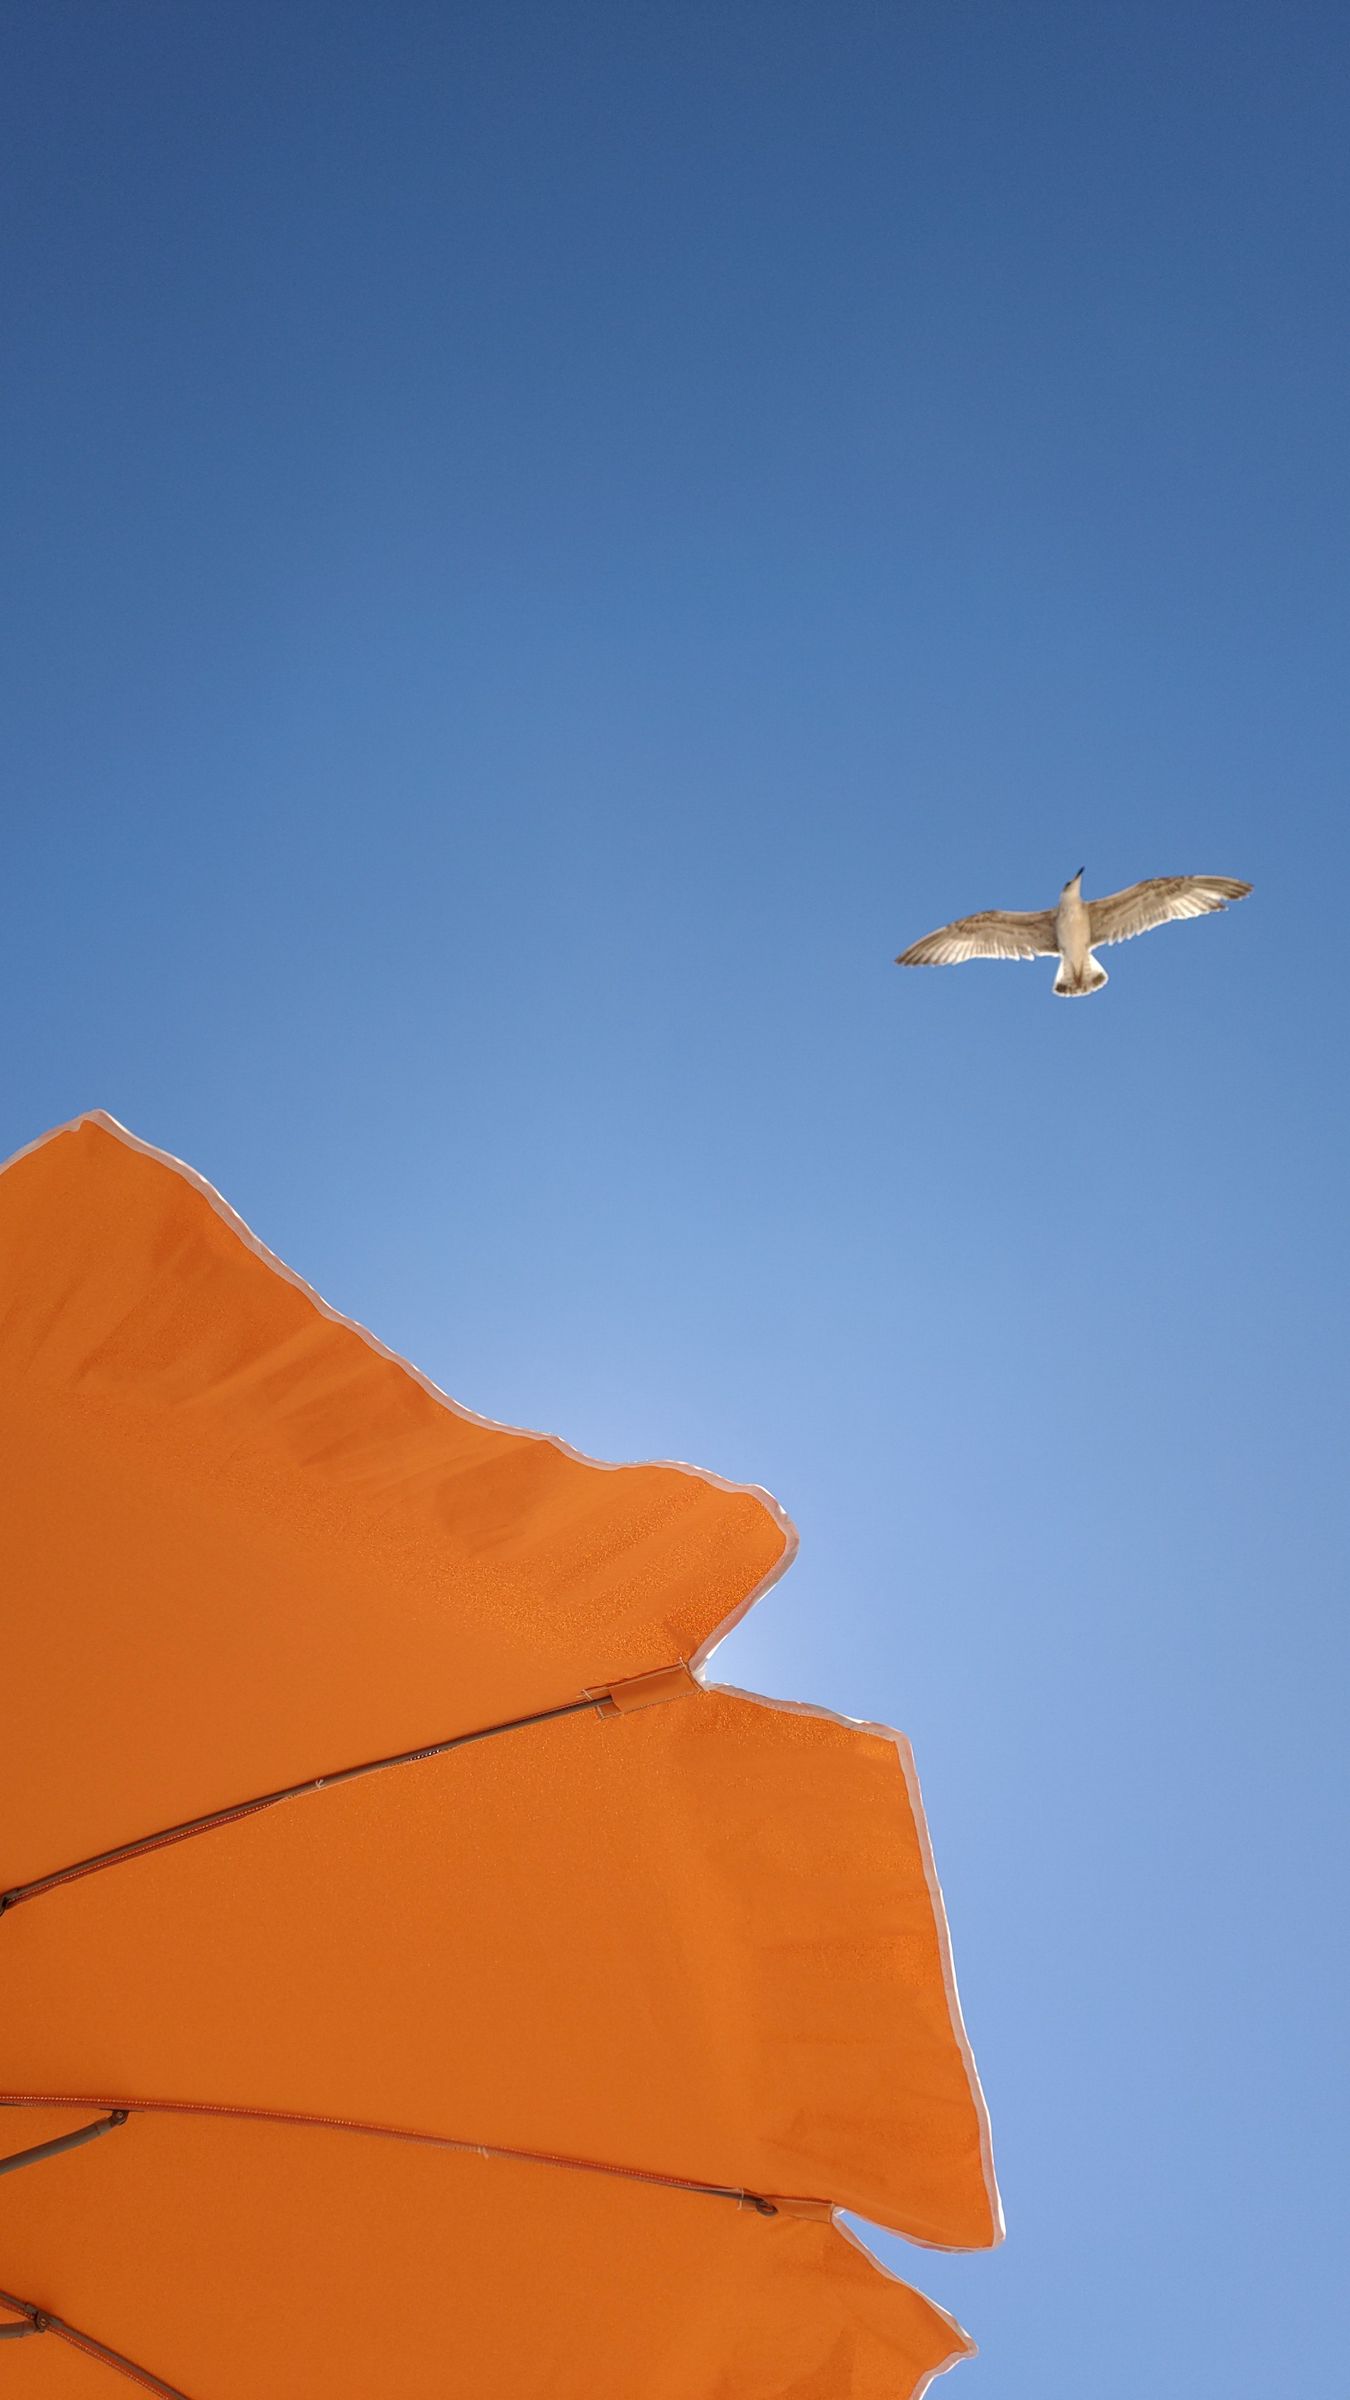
[544, 544]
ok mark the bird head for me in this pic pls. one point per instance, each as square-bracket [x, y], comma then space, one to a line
[1075, 880]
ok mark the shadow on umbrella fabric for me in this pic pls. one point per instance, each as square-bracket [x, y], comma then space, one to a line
[452, 1988]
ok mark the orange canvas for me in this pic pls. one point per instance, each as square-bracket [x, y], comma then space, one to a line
[535, 2056]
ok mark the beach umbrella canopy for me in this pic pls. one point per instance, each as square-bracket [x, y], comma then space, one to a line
[447, 1985]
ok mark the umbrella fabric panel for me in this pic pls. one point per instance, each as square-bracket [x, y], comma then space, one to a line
[700, 1941]
[301, 2265]
[243, 1545]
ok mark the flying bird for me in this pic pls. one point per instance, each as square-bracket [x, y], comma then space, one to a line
[1073, 929]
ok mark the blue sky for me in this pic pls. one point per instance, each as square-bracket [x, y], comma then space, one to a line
[544, 546]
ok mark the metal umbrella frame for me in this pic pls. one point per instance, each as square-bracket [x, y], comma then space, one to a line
[470, 1987]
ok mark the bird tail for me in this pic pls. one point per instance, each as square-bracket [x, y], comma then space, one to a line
[1075, 986]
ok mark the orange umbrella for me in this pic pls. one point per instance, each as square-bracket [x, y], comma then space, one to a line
[447, 1987]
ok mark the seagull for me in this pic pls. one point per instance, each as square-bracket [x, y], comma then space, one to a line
[1073, 929]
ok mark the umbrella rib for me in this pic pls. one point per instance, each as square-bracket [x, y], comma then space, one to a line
[763, 2204]
[41, 2320]
[599, 1701]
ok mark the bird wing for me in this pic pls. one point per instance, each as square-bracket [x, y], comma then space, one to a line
[1121, 915]
[994, 933]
